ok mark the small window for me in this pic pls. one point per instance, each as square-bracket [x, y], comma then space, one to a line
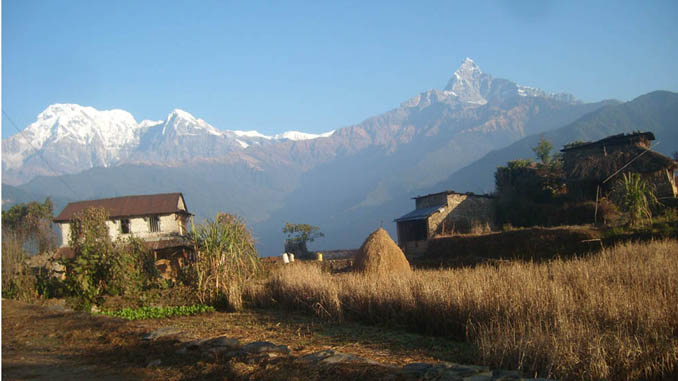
[154, 224]
[124, 226]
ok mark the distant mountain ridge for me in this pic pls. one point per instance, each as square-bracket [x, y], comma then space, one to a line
[656, 111]
[73, 138]
[349, 182]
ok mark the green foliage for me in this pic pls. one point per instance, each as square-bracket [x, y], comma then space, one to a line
[101, 267]
[543, 150]
[226, 260]
[520, 163]
[31, 222]
[86, 274]
[635, 197]
[525, 179]
[131, 268]
[157, 312]
[297, 237]
[530, 194]
[302, 232]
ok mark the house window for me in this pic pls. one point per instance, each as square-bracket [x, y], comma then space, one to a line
[154, 224]
[124, 226]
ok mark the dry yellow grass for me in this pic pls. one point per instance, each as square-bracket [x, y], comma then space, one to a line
[380, 256]
[610, 316]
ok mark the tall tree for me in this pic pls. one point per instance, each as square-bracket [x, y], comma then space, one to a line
[543, 150]
[32, 224]
[297, 237]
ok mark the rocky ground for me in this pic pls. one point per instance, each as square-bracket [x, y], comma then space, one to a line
[49, 342]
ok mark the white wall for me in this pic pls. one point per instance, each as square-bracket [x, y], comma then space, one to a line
[139, 227]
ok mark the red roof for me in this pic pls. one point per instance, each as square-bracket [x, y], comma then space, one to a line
[128, 206]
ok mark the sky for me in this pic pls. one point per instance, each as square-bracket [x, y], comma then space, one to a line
[315, 66]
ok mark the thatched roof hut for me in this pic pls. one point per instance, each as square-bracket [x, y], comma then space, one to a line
[379, 255]
[588, 165]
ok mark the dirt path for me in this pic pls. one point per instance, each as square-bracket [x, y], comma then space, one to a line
[47, 343]
[50, 343]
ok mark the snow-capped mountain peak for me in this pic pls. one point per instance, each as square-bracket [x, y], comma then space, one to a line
[180, 114]
[149, 123]
[287, 135]
[468, 82]
[250, 134]
[468, 70]
[180, 122]
[73, 138]
[297, 135]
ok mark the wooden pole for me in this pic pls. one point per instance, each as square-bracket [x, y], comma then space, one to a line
[595, 213]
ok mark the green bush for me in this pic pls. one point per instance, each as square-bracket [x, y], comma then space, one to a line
[132, 268]
[635, 197]
[226, 260]
[101, 267]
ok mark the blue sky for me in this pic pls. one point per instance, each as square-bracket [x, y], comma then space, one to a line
[316, 66]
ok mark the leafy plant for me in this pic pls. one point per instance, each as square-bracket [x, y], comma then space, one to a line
[157, 312]
[101, 267]
[297, 237]
[635, 197]
[226, 260]
[86, 273]
[543, 150]
[131, 268]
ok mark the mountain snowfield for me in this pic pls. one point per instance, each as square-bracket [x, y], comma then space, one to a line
[75, 138]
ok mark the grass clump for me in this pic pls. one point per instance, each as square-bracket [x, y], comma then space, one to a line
[227, 261]
[608, 316]
[143, 313]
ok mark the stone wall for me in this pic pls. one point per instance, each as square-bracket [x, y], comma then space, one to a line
[462, 212]
[431, 201]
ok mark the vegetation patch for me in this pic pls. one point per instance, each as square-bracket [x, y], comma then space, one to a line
[143, 313]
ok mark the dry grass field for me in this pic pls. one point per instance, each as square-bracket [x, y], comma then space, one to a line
[612, 315]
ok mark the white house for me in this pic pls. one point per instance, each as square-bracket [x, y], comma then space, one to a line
[158, 219]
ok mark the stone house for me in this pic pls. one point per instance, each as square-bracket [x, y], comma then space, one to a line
[443, 213]
[160, 220]
[595, 166]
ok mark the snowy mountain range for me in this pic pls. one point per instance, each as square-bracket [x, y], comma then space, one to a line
[69, 138]
[348, 181]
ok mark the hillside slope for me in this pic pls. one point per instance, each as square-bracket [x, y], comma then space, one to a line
[656, 112]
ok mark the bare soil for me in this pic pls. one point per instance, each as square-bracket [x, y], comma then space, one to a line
[48, 342]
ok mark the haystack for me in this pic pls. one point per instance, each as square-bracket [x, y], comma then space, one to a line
[380, 255]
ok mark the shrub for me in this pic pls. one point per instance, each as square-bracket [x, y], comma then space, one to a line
[87, 272]
[18, 282]
[635, 197]
[226, 260]
[131, 268]
[101, 267]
